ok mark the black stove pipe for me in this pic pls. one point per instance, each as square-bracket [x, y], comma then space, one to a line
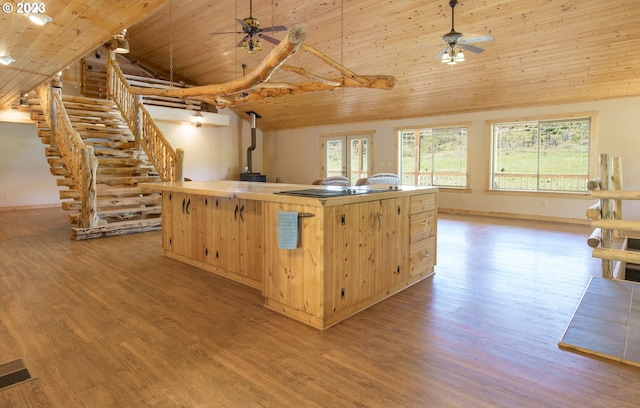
[251, 148]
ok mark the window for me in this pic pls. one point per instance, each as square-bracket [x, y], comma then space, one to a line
[541, 155]
[346, 155]
[434, 156]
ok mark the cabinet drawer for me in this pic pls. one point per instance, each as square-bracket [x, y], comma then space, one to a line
[423, 202]
[423, 256]
[422, 226]
[426, 247]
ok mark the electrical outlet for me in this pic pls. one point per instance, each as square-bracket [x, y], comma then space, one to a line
[342, 293]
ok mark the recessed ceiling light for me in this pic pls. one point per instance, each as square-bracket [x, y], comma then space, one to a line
[40, 19]
[6, 60]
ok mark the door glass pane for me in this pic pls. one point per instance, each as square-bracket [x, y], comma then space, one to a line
[334, 158]
[358, 159]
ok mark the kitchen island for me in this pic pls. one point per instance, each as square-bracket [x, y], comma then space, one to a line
[354, 247]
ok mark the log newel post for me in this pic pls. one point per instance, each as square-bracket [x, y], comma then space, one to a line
[53, 120]
[111, 59]
[89, 196]
[605, 205]
[616, 179]
[138, 114]
[178, 175]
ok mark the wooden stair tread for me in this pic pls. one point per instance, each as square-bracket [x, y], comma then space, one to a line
[117, 228]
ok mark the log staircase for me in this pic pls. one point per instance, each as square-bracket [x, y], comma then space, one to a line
[100, 153]
[123, 207]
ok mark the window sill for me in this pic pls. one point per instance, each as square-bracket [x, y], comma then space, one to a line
[444, 189]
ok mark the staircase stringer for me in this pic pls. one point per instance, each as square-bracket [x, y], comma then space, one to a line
[167, 162]
[78, 158]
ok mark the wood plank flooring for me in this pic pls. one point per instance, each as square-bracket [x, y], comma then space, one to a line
[113, 323]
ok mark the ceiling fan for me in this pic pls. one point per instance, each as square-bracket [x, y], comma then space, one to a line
[452, 53]
[253, 33]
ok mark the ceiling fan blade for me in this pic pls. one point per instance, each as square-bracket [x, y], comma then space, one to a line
[243, 24]
[476, 39]
[228, 32]
[274, 28]
[471, 48]
[440, 54]
[269, 39]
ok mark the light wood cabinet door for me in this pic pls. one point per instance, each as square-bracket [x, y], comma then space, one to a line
[367, 250]
[178, 232]
[234, 236]
[251, 239]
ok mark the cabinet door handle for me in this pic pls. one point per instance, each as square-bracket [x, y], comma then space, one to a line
[188, 204]
[425, 254]
[235, 213]
[183, 202]
[241, 213]
[379, 219]
[373, 222]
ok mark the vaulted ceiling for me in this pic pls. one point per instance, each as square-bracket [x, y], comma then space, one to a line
[544, 52]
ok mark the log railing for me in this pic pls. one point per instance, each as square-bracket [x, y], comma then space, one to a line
[79, 159]
[167, 162]
[607, 218]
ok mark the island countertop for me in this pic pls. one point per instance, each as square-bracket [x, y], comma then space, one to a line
[266, 191]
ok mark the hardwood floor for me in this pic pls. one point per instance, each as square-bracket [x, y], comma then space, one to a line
[113, 323]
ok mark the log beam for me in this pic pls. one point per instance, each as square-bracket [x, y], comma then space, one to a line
[262, 73]
[255, 86]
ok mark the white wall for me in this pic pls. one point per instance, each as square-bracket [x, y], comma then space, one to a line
[294, 155]
[25, 179]
[210, 153]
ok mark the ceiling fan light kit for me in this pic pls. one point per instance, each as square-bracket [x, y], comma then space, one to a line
[452, 53]
[253, 33]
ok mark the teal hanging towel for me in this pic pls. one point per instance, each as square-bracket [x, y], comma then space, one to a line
[288, 229]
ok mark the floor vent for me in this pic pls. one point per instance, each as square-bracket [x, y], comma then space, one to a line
[12, 373]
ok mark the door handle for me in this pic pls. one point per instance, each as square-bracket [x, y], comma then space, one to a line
[241, 213]
[235, 213]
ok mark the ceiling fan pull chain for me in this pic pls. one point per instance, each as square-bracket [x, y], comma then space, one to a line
[170, 44]
[342, 32]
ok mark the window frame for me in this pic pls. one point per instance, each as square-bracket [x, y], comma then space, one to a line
[398, 156]
[592, 171]
[347, 136]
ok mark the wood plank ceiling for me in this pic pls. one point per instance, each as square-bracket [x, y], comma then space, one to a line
[78, 27]
[544, 52]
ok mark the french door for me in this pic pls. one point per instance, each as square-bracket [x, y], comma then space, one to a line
[346, 155]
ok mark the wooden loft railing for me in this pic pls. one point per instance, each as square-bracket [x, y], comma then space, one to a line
[79, 159]
[607, 218]
[168, 163]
